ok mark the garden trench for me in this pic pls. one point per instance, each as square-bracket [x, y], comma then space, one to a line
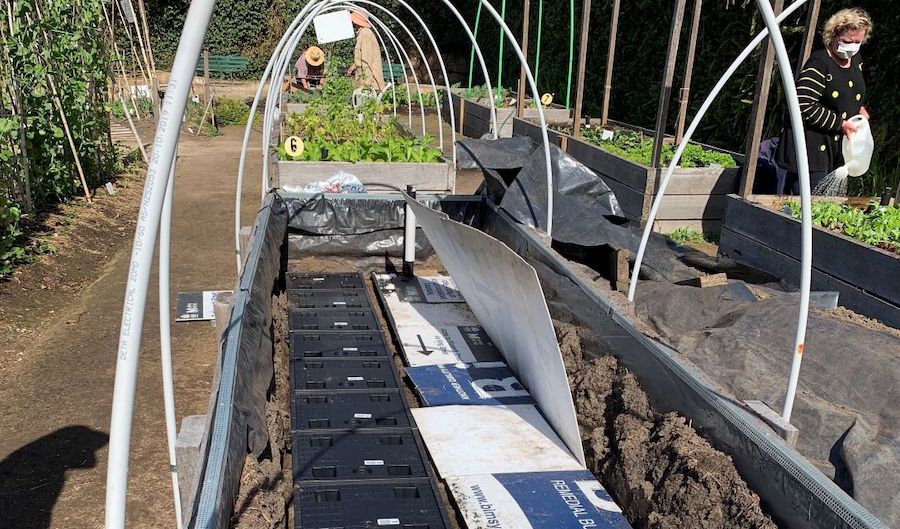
[688, 426]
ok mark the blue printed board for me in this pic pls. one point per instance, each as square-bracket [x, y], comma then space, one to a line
[536, 500]
[485, 383]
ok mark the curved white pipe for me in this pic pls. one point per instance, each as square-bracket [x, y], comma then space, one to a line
[664, 183]
[269, 111]
[790, 92]
[537, 97]
[132, 324]
[298, 20]
[165, 337]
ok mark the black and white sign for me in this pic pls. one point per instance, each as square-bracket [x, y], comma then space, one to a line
[197, 306]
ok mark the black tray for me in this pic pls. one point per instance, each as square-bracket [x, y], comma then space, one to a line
[408, 504]
[363, 344]
[388, 454]
[349, 410]
[329, 299]
[313, 281]
[341, 374]
[336, 320]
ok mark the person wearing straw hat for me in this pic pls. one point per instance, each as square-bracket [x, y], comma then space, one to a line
[310, 67]
[366, 55]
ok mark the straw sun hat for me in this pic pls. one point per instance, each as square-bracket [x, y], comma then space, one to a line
[314, 56]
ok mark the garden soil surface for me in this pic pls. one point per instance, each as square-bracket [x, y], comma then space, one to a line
[59, 328]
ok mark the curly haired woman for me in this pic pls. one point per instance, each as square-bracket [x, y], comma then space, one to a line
[831, 89]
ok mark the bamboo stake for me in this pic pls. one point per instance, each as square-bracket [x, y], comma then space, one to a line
[610, 60]
[203, 117]
[62, 113]
[134, 131]
[582, 64]
[134, 53]
[140, 39]
[121, 62]
[17, 110]
[520, 93]
[688, 72]
[147, 38]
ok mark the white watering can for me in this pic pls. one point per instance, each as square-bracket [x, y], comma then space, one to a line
[857, 149]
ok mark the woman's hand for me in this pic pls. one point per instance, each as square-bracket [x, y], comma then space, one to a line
[863, 112]
[848, 127]
[351, 69]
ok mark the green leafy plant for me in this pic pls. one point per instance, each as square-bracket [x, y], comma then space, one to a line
[689, 236]
[231, 111]
[876, 225]
[638, 147]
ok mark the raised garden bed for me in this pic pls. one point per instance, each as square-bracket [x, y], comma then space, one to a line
[474, 116]
[695, 197]
[437, 177]
[864, 275]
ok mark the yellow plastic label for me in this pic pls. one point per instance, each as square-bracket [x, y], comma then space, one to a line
[546, 99]
[293, 146]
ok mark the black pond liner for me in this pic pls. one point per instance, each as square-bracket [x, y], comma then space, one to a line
[367, 228]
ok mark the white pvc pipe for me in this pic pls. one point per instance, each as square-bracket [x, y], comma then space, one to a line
[132, 324]
[790, 92]
[165, 337]
[664, 183]
[298, 20]
[409, 235]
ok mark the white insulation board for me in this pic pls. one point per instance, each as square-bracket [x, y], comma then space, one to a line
[504, 293]
[468, 440]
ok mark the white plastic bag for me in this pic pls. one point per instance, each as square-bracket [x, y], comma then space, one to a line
[857, 148]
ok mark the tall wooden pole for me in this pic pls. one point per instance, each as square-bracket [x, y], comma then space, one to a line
[666, 90]
[582, 64]
[809, 34]
[610, 60]
[758, 112]
[520, 94]
[688, 71]
[18, 111]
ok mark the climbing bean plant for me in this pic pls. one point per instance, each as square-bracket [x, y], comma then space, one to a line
[54, 63]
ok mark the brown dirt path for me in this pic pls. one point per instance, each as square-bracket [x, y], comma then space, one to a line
[58, 344]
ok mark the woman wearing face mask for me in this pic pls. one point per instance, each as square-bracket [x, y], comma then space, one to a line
[831, 90]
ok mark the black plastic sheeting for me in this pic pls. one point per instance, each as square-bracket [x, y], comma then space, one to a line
[792, 490]
[347, 225]
[238, 424]
[586, 213]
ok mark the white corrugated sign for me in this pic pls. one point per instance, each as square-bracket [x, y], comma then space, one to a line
[332, 27]
[504, 293]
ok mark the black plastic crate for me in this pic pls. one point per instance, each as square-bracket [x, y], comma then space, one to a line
[338, 345]
[323, 281]
[340, 374]
[408, 504]
[388, 454]
[349, 410]
[329, 299]
[319, 320]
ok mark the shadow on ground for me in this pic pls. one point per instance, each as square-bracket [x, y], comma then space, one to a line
[32, 477]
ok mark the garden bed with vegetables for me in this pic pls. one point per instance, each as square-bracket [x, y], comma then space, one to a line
[473, 111]
[366, 142]
[696, 195]
[855, 250]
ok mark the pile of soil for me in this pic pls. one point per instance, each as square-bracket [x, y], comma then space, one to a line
[659, 470]
[266, 487]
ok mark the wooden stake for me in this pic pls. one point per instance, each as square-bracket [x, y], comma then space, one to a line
[147, 38]
[688, 72]
[809, 34]
[140, 38]
[206, 75]
[17, 110]
[666, 89]
[582, 64]
[134, 131]
[62, 114]
[526, 19]
[610, 59]
[134, 54]
[203, 117]
[758, 112]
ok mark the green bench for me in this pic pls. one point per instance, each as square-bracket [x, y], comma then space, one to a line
[397, 69]
[224, 65]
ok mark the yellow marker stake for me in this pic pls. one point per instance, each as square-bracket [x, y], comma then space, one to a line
[546, 99]
[293, 146]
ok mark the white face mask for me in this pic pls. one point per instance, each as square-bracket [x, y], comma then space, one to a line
[845, 50]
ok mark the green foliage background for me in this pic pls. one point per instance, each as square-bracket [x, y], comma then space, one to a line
[62, 39]
[253, 27]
